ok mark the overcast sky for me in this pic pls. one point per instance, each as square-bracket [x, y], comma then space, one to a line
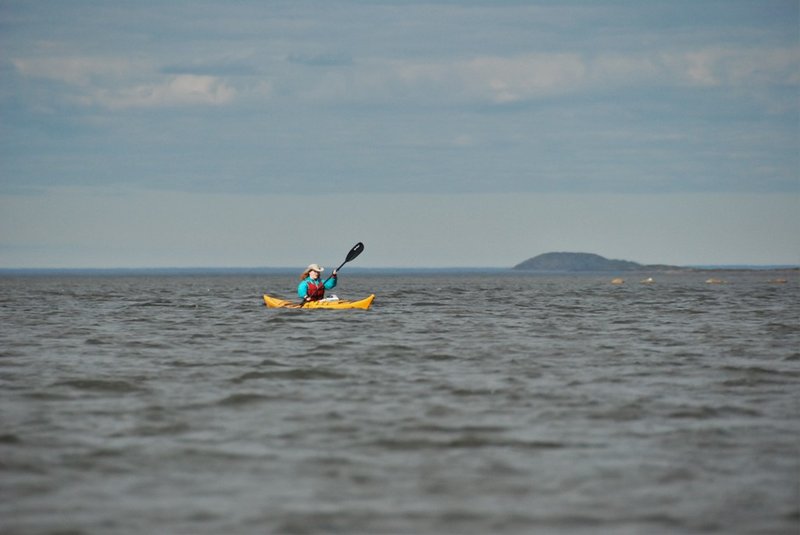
[439, 133]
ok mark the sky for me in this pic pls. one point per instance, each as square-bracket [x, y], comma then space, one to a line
[438, 133]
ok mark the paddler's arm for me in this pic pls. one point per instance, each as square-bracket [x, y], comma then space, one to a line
[330, 284]
[302, 290]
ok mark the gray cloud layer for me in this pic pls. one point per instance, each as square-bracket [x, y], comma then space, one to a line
[401, 97]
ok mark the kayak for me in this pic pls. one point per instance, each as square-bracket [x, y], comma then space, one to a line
[274, 302]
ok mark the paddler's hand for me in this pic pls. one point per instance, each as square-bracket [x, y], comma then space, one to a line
[334, 273]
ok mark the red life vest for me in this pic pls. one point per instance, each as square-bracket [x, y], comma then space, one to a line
[312, 287]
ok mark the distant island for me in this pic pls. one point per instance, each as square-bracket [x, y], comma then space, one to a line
[587, 262]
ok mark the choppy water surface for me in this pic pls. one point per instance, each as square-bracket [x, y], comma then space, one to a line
[467, 404]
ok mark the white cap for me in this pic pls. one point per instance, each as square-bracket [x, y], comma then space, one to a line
[315, 267]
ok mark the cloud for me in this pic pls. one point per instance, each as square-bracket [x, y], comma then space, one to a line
[182, 90]
[493, 79]
[733, 67]
[212, 68]
[118, 83]
[75, 70]
[112, 82]
[504, 80]
[507, 80]
[328, 59]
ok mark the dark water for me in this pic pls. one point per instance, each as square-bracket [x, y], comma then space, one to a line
[468, 404]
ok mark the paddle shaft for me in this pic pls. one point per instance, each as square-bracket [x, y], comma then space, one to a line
[354, 252]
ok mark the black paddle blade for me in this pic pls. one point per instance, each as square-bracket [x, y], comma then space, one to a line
[355, 251]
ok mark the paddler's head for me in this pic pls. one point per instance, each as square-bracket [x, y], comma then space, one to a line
[313, 271]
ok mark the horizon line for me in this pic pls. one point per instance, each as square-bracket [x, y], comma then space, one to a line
[254, 269]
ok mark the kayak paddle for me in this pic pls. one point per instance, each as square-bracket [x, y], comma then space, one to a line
[354, 252]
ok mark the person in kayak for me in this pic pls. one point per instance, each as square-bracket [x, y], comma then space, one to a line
[311, 288]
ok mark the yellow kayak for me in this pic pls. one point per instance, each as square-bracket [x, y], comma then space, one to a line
[274, 302]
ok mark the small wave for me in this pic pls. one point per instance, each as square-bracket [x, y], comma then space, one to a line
[270, 362]
[394, 350]
[714, 438]
[465, 429]
[100, 385]
[751, 376]
[471, 442]
[106, 453]
[758, 370]
[441, 356]
[236, 400]
[704, 413]
[10, 438]
[45, 395]
[15, 463]
[153, 430]
[141, 344]
[199, 454]
[471, 392]
[153, 303]
[204, 517]
[296, 374]
[289, 316]
[676, 475]
[749, 382]
[624, 413]
[208, 363]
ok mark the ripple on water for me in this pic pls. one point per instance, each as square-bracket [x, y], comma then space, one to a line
[101, 385]
[296, 374]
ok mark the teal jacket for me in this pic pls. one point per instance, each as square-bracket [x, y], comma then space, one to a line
[302, 288]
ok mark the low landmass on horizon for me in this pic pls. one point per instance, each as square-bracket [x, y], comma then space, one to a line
[587, 262]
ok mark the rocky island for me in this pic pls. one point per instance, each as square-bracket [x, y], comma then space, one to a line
[586, 262]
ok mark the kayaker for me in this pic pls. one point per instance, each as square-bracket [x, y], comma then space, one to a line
[311, 288]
